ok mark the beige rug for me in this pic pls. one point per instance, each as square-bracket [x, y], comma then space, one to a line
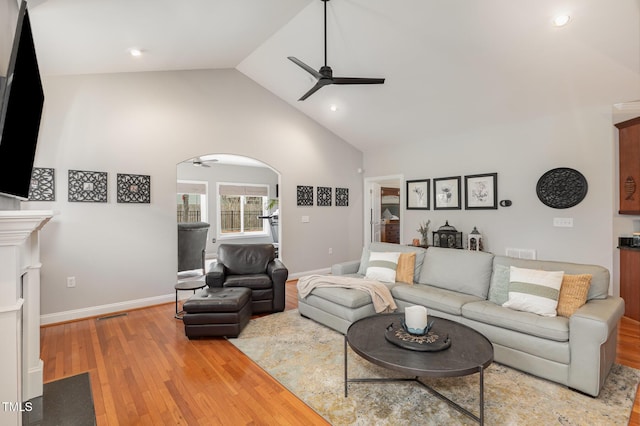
[308, 359]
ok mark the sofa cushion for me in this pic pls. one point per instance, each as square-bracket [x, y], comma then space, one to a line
[245, 258]
[406, 263]
[376, 246]
[252, 281]
[463, 271]
[573, 293]
[534, 290]
[499, 286]
[347, 297]
[554, 328]
[382, 266]
[446, 301]
[599, 281]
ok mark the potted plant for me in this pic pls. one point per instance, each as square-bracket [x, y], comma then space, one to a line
[423, 230]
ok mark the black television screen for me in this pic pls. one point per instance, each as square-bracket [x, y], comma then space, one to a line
[22, 102]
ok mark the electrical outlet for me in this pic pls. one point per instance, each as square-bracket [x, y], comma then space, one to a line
[563, 222]
[71, 282]
[330, 250]
[305, 219]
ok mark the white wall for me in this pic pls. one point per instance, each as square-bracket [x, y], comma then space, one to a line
[520, 153]
[8, 19]
[145, 123]
[233, 174]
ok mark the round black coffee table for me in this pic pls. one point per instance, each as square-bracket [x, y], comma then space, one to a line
[470, 352]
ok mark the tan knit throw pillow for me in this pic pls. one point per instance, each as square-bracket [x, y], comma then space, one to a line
[406, 263]
[573, 293]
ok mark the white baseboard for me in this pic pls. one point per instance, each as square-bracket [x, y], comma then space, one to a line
[93, 311]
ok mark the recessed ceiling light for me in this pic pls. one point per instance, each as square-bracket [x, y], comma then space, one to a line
[135, 52]
[561, 20]
[333, 108]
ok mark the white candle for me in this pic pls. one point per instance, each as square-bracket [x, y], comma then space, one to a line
[415, 317]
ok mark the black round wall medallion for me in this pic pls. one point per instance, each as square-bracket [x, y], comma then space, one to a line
[562, 188]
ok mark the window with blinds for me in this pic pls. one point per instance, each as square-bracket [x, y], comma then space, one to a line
[240, 207]
[192, 201]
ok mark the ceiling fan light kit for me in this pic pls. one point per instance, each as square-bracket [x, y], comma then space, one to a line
[324, 76]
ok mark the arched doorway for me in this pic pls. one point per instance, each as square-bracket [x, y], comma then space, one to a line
[237, 195]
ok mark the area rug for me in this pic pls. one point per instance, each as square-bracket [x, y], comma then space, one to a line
[308, 359]
[67, 402]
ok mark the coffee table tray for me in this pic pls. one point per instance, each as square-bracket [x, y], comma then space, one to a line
[432, 341]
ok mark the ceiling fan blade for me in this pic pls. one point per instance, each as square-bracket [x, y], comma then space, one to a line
[357, 80]
[305, 67]
[314, 89]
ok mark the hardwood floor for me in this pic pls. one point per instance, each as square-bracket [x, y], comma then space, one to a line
[629, 355]
[145, 371]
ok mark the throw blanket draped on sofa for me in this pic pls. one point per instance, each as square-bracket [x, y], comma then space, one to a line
[380, 294]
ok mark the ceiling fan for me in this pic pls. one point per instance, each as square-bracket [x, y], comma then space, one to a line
[325, 74]
[199, 162]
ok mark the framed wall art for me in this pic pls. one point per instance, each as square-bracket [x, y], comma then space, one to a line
[481, 191]
[446, 193]
[342, 197]
[324, 196]
[418, 194]
[86, 186]
[305, 196]
[43, 184]
[133, 188]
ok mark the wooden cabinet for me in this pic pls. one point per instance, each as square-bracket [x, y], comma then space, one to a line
[391, 232]
[629, 155]
[630, 282]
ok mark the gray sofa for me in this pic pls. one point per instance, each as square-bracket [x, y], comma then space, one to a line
[462, 286]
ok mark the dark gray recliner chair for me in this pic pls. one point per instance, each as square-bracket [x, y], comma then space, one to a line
[255, 267]
[192, 244]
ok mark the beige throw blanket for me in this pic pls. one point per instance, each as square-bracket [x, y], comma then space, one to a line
[380, 294]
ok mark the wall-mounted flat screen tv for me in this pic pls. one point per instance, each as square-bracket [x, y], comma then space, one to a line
[22, 103]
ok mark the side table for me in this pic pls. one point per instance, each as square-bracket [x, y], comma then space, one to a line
[183, 286]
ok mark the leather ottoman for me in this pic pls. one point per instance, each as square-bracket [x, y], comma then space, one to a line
[217, 312]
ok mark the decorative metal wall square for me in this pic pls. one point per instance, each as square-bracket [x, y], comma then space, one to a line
[87, 186]
[324, 196]
[133, 188]
[43, 185]
[342, 197]
[305, 195]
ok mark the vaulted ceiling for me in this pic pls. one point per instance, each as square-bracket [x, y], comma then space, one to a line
[450, 65]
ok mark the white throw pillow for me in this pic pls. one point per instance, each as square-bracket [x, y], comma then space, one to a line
[382, 266]
[534, 291]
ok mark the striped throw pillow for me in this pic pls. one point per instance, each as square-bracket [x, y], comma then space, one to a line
[534, 291]
[382, 266]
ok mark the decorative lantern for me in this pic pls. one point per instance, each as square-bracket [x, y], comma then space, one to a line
[474, 240]
[447, 236]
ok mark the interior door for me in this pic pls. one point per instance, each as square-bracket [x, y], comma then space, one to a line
[375, 212]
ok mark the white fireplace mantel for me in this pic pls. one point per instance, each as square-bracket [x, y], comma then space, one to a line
[21, 368]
